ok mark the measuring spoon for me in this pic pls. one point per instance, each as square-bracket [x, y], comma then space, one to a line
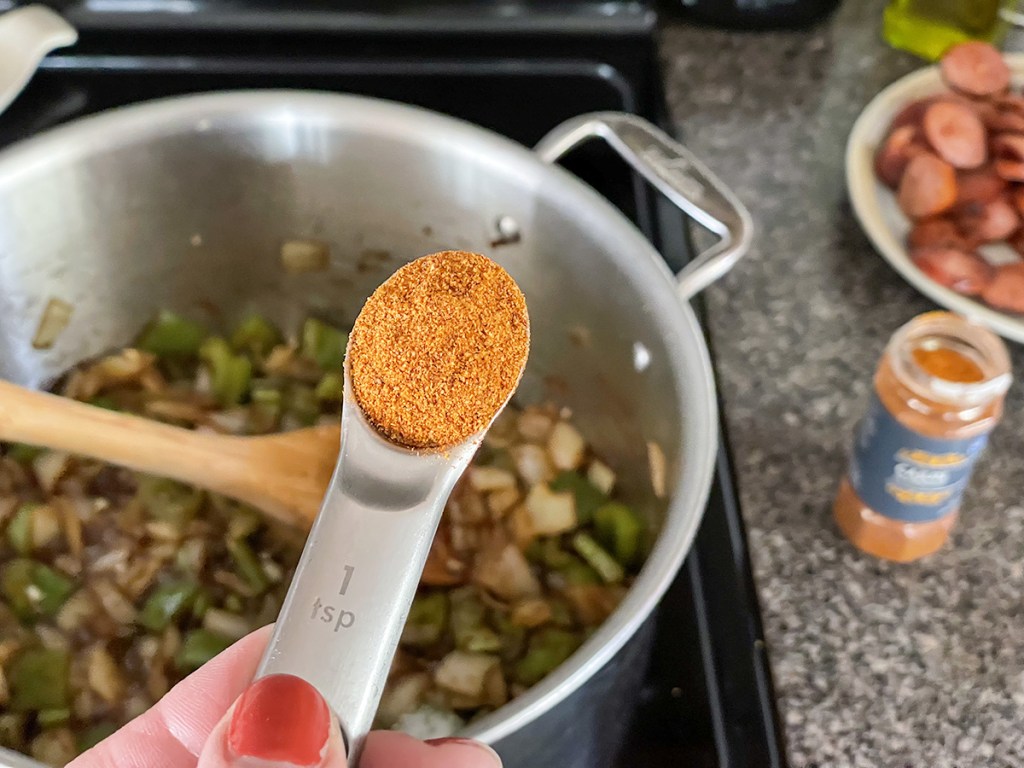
[344, 613]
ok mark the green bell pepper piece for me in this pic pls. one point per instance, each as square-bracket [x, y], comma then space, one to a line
[170, 335]
[588, 497]
[244, 522]
[94, 734]
[51, 717]
[166, 603]
[577, 572]
[230, 374]
[247, 565]
[19, 529]
[468, 620]
[331, 388]
[23, 453]
[301, 402]
[33, 589]
[428, 617]
[105, 402]
[39, 679]
[619, 529]
[324, 344]
[546, 650]
[552, 554]
[607, 567]
[233, 603]
[255, 336]
[198, 647]
[169, 501]
[202, 603]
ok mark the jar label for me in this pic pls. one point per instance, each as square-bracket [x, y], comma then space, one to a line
[907, 476]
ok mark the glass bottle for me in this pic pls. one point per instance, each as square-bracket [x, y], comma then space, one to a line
[929, 27]
[938, 392]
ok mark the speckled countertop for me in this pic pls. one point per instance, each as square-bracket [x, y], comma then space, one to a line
[876, 664]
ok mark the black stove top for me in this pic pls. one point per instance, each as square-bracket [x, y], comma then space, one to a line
[518, 68]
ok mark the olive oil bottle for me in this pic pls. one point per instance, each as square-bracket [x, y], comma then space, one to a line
[928, 27]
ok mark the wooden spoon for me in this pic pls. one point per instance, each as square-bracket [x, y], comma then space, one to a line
[285, 475]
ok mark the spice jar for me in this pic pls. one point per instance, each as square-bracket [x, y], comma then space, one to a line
[938, 393]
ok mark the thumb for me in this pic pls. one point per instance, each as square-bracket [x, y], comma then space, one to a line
[280, 721]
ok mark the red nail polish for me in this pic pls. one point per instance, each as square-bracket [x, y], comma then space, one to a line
[280, 718]
[452, 740]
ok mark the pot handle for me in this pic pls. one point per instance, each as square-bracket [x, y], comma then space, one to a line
[677, 174]
[26, 35]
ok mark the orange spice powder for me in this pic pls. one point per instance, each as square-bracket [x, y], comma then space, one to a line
[948, 364]
[438, 349]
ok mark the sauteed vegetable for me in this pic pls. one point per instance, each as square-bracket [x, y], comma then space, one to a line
[114, 585]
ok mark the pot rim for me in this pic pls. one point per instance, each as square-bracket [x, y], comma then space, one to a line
[675, 319]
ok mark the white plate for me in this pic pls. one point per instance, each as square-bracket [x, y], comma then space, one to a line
[880, 216]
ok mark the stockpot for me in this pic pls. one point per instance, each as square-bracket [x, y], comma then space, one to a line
[184, 203]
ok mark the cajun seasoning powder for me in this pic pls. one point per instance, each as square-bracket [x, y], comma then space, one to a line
[438, 349]
[938, 393]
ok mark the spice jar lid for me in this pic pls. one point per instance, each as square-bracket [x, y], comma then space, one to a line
[981, 361]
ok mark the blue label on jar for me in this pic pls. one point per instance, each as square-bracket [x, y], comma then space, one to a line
[906, 476]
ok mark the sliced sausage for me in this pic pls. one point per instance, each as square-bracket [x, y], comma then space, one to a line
[1008, 154]
[1017, 196]
[1003, 114]
[978, 186]
[1017, 242]
[913, 113]
[964, 272]
[1006, 289]
[956, 133]
[928, 186]
[892, 157]
[988, 222]
[938, 232]
[976, 69]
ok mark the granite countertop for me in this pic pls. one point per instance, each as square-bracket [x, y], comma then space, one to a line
[875, 664]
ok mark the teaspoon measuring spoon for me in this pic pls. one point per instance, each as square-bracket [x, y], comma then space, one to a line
[344, 613]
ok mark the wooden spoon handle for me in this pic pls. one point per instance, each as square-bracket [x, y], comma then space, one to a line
[42, 419]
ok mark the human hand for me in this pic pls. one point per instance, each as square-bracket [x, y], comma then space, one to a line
[218, 718]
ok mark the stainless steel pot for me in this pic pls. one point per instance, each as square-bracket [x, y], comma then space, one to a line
[184, 203]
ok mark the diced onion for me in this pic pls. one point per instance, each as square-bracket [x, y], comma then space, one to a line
[46, 525]
[501, 501]
[534, 425]
[464, 673]
[601, 476]
[504, 571]
[55, 319]
[429, 722]
[113, 602]
[298, 256]
[401, 696]
[224, 623]
[486, 479]
[104, 675]
[531, 613]
[656, 460]
[566, 446]
[550, 511]
[532, 464]
[48, 467]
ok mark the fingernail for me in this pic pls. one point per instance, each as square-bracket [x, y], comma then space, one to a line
[479, 745]
[282, 719]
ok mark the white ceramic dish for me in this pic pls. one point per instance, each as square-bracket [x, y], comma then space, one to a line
[882, 220]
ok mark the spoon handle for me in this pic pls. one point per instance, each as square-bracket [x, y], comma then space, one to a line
[344, 612]
[26, 35]
[42, 419]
